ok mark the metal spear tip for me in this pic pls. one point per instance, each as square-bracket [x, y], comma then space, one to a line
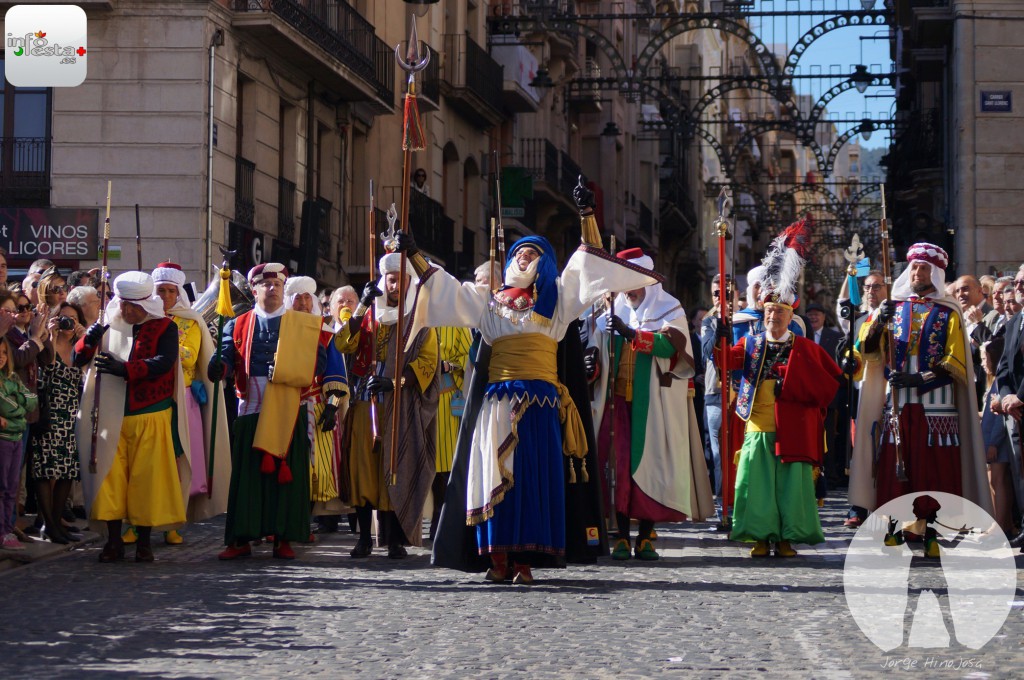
[412, 63]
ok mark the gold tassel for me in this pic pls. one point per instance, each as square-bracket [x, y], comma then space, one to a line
[583, 467]
[572, 471]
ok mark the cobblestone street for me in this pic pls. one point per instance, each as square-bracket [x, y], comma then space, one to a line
[705, 609]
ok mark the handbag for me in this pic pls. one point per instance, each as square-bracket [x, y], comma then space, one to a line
[458, 403]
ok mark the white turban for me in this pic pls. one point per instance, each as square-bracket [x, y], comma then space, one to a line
[296, 286]
[169, 272]
[390, 264]
[755, 275]
[138, 288]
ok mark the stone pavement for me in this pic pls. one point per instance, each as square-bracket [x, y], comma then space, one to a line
[706, 609]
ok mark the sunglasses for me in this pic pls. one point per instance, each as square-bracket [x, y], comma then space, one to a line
[24, 308]
[57, 289]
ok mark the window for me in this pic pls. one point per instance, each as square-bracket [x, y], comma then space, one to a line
[25, 145]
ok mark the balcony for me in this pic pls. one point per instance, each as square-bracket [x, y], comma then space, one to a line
[25, 171]
[324, 242]
[540, 158]
[472, 81]
[645, 226]
[678, 217]
[434, 230]
[286, 210]
[355, 257]
[569, 176]
[245, 195]
[428, 85]
[585, 96]
[329, 40]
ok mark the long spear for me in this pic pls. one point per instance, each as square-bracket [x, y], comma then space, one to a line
[613, 370]
[721, 227]
[138, 237]
[104, 273]
[890, 350]
[225, 310]
[412, 140]
[372, 271]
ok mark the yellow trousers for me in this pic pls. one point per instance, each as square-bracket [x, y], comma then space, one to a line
[142, 485]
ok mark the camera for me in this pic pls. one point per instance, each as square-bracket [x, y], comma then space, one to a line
[65, 323]
[846, 309]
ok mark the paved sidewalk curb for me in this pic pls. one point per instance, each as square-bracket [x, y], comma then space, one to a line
[41, 550]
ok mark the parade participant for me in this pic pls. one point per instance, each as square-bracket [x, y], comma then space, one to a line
[269, 492]
[660, 473]
[509, 484]
[874, 292]
[195, 349]
[787, 384]
[712, 382]
[745, 322]
[323, 399]
[933, 379]
[399, 506]
[142, 428]
[454, 352]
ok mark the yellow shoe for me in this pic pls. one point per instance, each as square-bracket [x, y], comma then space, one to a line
[760, 549]
[172, 537]
[129, 535]
[931, 548]
[784, 549]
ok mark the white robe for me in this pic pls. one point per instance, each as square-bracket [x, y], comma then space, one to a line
[444, 301]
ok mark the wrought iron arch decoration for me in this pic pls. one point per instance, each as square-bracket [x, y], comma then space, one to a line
[833, 205]
[853, 202]
[759, 50]
[845, 86]
[834, 23]
[826, 167]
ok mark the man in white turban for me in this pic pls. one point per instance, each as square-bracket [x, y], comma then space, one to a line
[371, 338]
[133, 472]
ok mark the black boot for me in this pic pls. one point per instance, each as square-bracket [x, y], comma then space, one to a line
[1018, 540]
[364, 546]
[144, 549]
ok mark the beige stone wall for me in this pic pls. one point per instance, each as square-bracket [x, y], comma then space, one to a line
[988, 148]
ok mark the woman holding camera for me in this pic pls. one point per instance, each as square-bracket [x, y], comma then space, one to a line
[54, 450]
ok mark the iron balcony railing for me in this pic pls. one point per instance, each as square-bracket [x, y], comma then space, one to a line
[25, 170]
[569, 175]
[430, 80]
[325, 228]
[286, 210]
[434, 230]
[356, 253]
[245, 195]
[469, 66]
[540, 158]
[339, 29]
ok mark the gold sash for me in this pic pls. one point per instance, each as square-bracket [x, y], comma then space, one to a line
[533, 356]
[294, 370]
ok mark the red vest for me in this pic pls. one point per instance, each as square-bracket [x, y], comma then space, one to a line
[146, 390]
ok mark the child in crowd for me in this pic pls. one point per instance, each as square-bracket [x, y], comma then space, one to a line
[15, 402]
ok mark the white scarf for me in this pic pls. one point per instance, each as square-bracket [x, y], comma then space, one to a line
[521, 278]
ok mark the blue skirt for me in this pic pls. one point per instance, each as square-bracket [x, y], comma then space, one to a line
[531, 516]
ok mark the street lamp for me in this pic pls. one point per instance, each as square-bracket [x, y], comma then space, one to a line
[542, 79]
[866, 128]
[861, 78]
[611, 130]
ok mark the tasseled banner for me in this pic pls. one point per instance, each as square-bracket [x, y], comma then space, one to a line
[267, 465]
[413, 138]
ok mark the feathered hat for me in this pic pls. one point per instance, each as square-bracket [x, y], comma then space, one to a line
[784, 262]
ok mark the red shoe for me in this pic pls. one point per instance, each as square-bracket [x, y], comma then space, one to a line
[233, 552]
[283, 551]
[853, 522]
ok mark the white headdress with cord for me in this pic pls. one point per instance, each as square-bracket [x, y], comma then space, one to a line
[784, 262]
[934, 256]
[296, 286]
[137, 288]
[754, 276]
[658, 307]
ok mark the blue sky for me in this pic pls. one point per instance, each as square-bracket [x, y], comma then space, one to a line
[839, 50]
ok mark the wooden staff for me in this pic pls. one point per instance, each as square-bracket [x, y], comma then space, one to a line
[890, 350]
[612, 371]
[501, 229]
[94, 435]
[372, 270]
[724, 449]
[412, 140]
